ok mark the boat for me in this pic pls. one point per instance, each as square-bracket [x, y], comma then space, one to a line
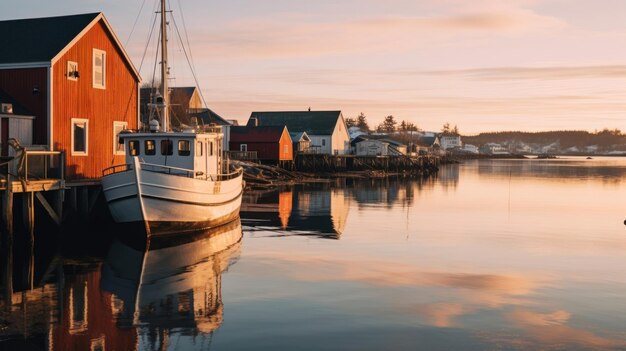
[172, 181]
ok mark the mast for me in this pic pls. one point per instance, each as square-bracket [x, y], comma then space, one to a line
[164, 71]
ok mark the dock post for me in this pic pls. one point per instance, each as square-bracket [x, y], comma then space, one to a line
[7, 219]
[7, 208]
[7, 274]
[28, 216]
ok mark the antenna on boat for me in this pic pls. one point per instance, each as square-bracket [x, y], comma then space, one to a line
[165, 117]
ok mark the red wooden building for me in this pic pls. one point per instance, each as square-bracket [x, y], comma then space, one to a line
[272, 143]
[72, 74]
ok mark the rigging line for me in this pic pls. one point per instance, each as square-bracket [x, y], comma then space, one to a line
[193, 73]
[193, 64]
[145, 50]
[156, 62]
[135, 24]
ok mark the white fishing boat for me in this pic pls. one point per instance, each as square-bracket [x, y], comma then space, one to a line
[172, 181]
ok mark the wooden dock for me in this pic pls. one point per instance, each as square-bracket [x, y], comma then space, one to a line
[418, 165]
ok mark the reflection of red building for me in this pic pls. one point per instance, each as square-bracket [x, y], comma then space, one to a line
[87, 320]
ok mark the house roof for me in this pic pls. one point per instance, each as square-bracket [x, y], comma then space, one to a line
[297, 136]
[381, 138]
[51, 35]
[17, 108]
[426, 140]
[263, 134]
[209, 116]
[312, 122]
[39, 40]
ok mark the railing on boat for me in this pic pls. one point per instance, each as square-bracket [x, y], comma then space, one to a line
[182, 172]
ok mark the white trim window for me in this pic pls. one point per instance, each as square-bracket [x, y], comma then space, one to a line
[99, 69]
[243, 147]
[118, 126]
[72, 70]
[80, 137]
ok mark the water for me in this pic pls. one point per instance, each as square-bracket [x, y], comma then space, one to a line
[489, 255]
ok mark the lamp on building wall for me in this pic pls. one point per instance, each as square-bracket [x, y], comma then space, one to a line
[36, 90]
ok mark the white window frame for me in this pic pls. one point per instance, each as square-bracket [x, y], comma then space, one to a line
[96, 53]
[80, 121]
[243, 147]
[116, 143]
[72, 67]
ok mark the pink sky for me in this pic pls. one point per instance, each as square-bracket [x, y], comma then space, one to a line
[484, 65]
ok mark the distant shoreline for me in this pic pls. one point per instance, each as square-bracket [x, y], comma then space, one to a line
[527, 156]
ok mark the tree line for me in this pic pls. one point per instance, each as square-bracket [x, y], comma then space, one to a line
[566, 138]
[391, 125]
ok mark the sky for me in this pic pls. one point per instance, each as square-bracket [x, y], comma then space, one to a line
[483, 65]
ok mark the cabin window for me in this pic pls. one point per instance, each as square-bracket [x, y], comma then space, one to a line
[184, 148]
[150, 147]
[99, 69]
[133, 147]
[118, 147]
[80, 136]
[167, 147]
[198, 148]
[323, 142]
[72, 70]
[243, 147]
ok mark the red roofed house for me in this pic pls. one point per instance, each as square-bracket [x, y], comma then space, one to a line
[271, 143]
[73, 76]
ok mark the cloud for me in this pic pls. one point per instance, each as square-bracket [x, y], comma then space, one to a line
[549, 330]
[282, 36]
[386, 274]
[537, 73]
[528, 318]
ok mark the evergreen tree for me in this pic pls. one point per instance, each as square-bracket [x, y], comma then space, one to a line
[361, 122]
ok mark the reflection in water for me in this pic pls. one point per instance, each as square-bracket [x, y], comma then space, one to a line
[316, 210]
[489, 255]
[321, 209]
[135, 300]
[563, 169]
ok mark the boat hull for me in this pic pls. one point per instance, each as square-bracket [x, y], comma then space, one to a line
[166, 204]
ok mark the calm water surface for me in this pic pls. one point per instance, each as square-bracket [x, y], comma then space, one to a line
[488, 255]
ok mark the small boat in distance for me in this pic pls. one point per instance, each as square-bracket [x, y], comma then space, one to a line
[172, 181]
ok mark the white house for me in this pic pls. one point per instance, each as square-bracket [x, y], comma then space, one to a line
[326, 129]
[450, 141]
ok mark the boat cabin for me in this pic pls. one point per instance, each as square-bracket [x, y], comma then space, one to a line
[197, 155]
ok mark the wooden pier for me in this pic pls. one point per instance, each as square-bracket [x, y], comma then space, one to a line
[417, 165]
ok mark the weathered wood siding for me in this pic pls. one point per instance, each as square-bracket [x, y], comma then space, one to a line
[29, 87]
[79, 99]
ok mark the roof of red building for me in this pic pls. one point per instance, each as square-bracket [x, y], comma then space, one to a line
[263, 134]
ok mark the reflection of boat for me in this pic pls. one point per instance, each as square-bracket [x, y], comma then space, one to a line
[172, 181]
[173, 286]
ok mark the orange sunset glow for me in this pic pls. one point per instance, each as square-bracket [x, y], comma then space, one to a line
[485, 65]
